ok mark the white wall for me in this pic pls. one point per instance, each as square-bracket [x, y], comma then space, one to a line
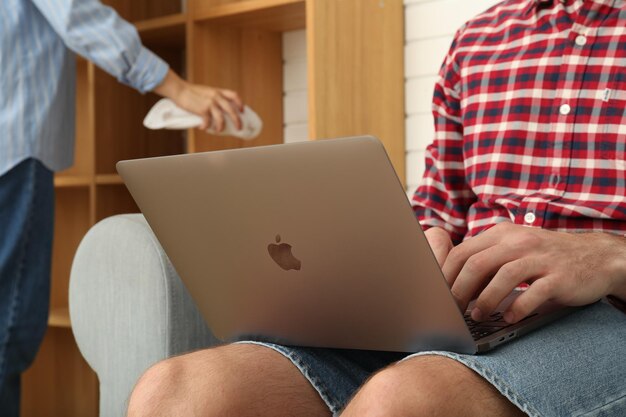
[429, 28]
[295, 123]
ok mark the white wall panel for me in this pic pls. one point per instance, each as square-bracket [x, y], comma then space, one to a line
[294, 75]
[419, 94]
[294, 44]
[415, 160]
[429, 28]
[424, 57]
[420, 131]
[295, 107]
[295, 104]
[296, 132]
[429, 19]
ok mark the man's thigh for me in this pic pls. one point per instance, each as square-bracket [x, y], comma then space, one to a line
[577, 357]
[570, 367]
[429, 386]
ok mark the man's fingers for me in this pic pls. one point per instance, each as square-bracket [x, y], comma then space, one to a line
[440, 254]
[228, 108]
[234, 97]
[218, 119]
[478, 270]
[509, 276]
[538, 293]
[440, 243]
[458, 256]
[206, 121]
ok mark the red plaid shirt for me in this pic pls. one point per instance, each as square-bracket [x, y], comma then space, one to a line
[530, 117]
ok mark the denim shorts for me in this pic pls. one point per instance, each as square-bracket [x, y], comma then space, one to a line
[573, 367]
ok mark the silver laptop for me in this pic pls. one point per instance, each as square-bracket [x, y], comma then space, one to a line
[312, 244]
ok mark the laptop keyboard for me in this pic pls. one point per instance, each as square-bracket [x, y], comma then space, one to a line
[480, 329]
[493, 324]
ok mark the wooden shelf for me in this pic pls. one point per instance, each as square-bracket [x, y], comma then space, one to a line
[272, 15]
[108, 179]
[354, 63]
[140, 10]
[68, 181]
[60, 317]
[166, 31]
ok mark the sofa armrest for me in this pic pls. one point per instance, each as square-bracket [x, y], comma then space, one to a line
[128, 307]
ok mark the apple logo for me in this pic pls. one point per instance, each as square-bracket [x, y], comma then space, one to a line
[281, 254]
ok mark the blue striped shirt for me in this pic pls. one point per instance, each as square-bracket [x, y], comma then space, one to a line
[37, 72]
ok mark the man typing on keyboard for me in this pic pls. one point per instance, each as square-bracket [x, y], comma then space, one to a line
[525, 186]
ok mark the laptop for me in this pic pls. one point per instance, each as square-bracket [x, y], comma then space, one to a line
[310, 243]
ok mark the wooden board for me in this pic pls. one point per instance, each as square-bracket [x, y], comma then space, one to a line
[60, 383]
[245, 60]
[356, 71]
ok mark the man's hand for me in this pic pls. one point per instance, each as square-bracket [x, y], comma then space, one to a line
[207, 102]
[571, 269]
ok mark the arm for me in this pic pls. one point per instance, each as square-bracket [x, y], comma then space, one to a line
[443, 197]
[98, 33]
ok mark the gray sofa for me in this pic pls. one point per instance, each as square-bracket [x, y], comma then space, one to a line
[128, 307]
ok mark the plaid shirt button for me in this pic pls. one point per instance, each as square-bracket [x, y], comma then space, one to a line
[530, 217]
[581, 40]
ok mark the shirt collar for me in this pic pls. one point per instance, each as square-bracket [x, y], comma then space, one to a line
[538, 3]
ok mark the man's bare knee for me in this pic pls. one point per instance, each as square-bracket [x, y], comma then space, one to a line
[429, 386]
[166, 388]
[237, 380]
[154, 387]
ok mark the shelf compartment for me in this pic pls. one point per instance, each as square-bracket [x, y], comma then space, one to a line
[109, 179]
[166, 31]
[272, 15]
[113, 199]
[250, 62]
[119, 115]
[60, 382]
[72, 221]
[139, 10]
[71, 181]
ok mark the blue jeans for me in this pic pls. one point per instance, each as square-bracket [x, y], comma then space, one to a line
[26, 225]
[572, 367]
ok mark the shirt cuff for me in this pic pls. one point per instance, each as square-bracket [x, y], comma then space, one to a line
[148, 71]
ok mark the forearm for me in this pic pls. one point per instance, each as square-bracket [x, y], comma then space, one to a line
[98, 33]
[171, 86]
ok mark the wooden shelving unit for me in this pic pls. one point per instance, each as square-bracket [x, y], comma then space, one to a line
[355, 86]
